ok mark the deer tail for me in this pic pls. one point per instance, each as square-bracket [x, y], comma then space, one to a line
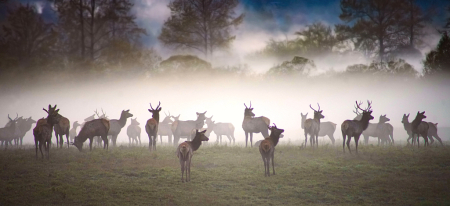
[265, 146]
[266, 120]
[344, 126]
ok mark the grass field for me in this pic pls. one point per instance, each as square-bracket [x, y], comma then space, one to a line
[227, 175]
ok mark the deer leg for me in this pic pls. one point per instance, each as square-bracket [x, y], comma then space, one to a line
[36, 144]
[348, 144]
[251, 139]
[170, 138]
[356, 142]
[430, 137]
[154, 142]
[188, 168]
[61, 141]
[139, 136]
[439, 139]
[246, 138]
[48, 150]
[91, 140]
[331, 138]
[265, 169]
[273, 163]
[217, 138]
[268, 166]
[306, 139]
[150, 143]
[317, 141]
[366, 140]
[182, 163]
[343, 143]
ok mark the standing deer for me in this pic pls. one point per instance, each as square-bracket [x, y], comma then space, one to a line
[164, 128]
[134, 131]
[185, 152]
[252, 124]
[267, 149]
[16, 134]
[62, 128]
[382, 130]
[407, 127]
[96, 127]
[9, 132]
[432, 132]
[73, 131]
[419, 127]
[116, 125]
[220, 129]
[185, 128]
[354, 128]
[152, 126]
[371, 130]
[25, 126]
[312, 127]
[98, 139]
[43, 130]
[326, 128]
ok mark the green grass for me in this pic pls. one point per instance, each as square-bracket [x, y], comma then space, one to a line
[224, 175]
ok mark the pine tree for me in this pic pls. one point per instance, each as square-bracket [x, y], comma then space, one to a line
[438, 60]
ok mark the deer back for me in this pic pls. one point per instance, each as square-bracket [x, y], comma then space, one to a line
[223, 128]
[327, 128]
[256, 124]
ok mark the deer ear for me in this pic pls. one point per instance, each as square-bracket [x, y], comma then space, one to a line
[203, 132]
[160, 109]
[197, 113]
[149, 110]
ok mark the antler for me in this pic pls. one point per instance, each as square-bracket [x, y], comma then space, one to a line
[104, 114]
[319, 107]
[96, 113]
[368, 107]
[245, 106]
[314, 109]
[157, 107]
[274, 125]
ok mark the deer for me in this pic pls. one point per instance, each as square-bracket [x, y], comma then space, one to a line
[134, 131]
[419, 127]
[152, 126]
[326, 128]
[116, 125]
[371, 130]
[98, 139]
[354, 128]
[267, 148]
[15, 135]
[185, 151]
[220, 129]
[382, 130]
[312, 127]
[96, 127]
[164, 128]
[43, 130]
[185, 128]
[407, 127]
[73, 131]
[252, 124]
[24, 126]
[61, 129]
[432, 132]
[9, 132]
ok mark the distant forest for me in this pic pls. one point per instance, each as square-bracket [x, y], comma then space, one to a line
[98, 38]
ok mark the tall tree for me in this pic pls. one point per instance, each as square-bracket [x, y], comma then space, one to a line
[438, 60]
[202, 25]
[375, 23]
[317, 38]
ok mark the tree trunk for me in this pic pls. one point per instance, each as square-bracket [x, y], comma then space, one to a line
[82, 30]
[92, 28]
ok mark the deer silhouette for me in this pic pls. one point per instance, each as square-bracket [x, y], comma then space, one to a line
[312, 127]
[61, 129]
[116, 125]
[73, 131]
[152, 126]
[252, 124]
[220, 129]
[267, 148]
[372, 130]
[9, 132]
[326, 128]
[164, 128]
[96, 127]
[382, 130]
[185, 151]
[419, 127]
[354, 128]
[134, 131]
[43, 130]
[186, 128]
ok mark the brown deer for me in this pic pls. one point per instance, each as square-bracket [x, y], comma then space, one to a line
[185, 151]
[62, 128]
[354, 128]
[267, 148]
[184, 128]
[312, 127]
[96, 127]
[134, 131]
[372, 130]
[152, 126]
[116, 125]
[252, 124]
[432, 131]
[73, 131]
[98, 139]
[220, 129]
[164, 128]
[9, 132]
[43, 130]
[419, 127]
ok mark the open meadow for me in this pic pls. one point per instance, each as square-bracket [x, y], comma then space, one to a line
[227, 175]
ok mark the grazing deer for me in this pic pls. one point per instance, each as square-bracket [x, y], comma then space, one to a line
[9, 132]
[252, 124]
[419, 127]
[185, 152]
[134, 131]
[312, 127]
[220, 129]
[371, 130]
[164, 128]
[184, 128]
[98, 139]
[116, 125]
[354, 128]
[62, 128]
[326, 128]
[43, 130]
[152, 126]
[267, 149]
[73, 131]
[96, 127]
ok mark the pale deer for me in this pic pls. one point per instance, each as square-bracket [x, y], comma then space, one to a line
[382, 130]
[25, 126]
[184, 128]
[354, 128]
[407, 127]
[371, 130]
[152, 126]
[220, 129]
[9, 132]
[419, 127]
[61, 129]
[15, 135]
[43, 130]
[185, 152]
[116, 125]
[134, 131]
[312, 127]
[252, 124]
[96, 127]
[73, 131]
[267, 149]
[326, 128]
[432, 133]
[164, 128]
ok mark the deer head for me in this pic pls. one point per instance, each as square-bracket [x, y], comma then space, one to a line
[167, 119]
[317, 113]
[405, 118]
[53, 116]
[30, 120]
[176, 118]
[367, 113]
[77, 143]
[304, 116]
[76, 124]
[383, 119]
[155, 112]
[134, 121]
[249, 111]
[200, 136]
[421, 115]
[275, 131]
[209, 120]
[201, 116]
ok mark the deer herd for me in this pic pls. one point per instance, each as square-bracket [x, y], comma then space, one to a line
[193, 131]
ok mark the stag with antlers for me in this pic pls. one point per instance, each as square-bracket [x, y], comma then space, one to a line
[252, 124]
[9, 132]
[96, 127]
[326, 128]
[267, 148]
[354, 128]
[185, 151]
[419, 127]
[43, 130]
[375, 129]
[312, 127]
[152, 126]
